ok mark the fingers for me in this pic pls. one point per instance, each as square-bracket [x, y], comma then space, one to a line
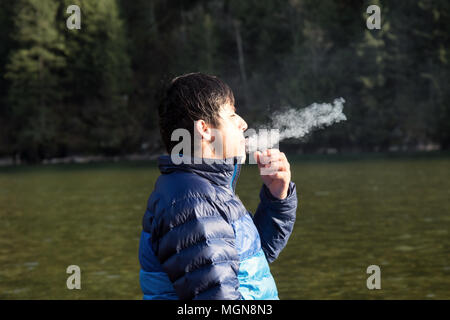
[271, 156]
[267, 156]
[285, 161]
[257, 155]
[272, 161]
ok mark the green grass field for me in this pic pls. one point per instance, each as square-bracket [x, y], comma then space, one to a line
[352, 213]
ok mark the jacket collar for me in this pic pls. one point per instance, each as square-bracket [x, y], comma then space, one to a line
[223, 172]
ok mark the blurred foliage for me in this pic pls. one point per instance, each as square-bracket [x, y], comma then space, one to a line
[95, 90]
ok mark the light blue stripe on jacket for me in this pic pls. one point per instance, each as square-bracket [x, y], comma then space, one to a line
[255, 280]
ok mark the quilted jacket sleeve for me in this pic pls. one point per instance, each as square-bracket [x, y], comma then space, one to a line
[274, 219]
[196, 248]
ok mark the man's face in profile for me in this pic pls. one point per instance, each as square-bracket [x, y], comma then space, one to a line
[231, 128]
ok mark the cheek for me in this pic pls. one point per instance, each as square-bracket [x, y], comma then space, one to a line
[235, 137]
[231, 135]
[230, 139]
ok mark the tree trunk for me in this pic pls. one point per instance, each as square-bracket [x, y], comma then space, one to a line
[241, 58]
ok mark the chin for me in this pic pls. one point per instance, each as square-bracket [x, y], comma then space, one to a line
[240, 152]
[243, 154]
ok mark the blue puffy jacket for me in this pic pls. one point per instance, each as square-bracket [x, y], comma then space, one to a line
[199, 241]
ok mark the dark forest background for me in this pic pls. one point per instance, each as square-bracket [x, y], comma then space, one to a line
[95, 90]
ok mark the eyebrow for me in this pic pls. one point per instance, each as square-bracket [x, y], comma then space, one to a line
[233, 109]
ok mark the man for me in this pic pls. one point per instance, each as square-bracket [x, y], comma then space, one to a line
[198, 240]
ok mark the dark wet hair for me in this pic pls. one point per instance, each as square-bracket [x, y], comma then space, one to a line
[188, 98]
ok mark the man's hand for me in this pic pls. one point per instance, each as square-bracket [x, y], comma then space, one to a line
[275, 171]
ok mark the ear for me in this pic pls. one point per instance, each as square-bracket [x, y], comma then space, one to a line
[203, 129]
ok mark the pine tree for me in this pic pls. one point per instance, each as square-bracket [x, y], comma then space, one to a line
[6, 44]
[98, 76]
[33, 72]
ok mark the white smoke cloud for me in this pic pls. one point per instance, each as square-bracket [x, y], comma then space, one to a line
[294, 123]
